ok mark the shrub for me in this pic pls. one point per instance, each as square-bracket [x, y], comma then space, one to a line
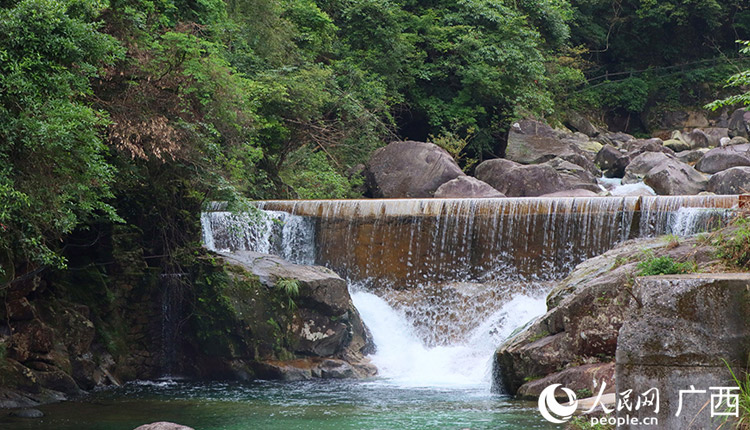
[734, 250]
[664, 265]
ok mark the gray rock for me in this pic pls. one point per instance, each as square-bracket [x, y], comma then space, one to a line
[163, 425]
[677, 145]
[580, 123]
[517, 180]
[691, 157]
[636, 147]
[532, 142]
[723, 158]
[409, 170]
[737, 140]
[715, 135]
[739, 123]
[735, 180]
[675, 178]
[466, 187]
[677, 332]
[27, 413]
[697, 139]
[642, 164]
[572, 193]
[574, 176]
[612, 161]
[615, 139]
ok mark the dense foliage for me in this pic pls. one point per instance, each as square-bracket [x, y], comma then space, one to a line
[138, 112]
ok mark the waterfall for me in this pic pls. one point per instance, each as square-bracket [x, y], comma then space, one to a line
[172, 318]
[442, 282]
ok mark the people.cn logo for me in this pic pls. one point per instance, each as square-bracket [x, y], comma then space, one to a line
[552, 410]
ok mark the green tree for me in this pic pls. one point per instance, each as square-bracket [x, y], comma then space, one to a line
[53, 171]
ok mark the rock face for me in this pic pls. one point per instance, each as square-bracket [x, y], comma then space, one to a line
[533, 142]
[574, 176]
[639, 167]
[676, 334]
[466, 187]
[719, 159]
[409, 170]
[324, 322]
[584, 315]
[735, 180]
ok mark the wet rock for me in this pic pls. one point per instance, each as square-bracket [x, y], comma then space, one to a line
[163, 425]
[572, 193]
[675, 178]
[723, 158]
[735, 180]
[517, 180]
[532, 142]
[466, 187]
[409, 170]
[27, 413]
[30, 337]
[312, 368]
[586, 378]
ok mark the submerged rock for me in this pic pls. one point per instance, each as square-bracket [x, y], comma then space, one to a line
[27, 413]
[409, 170]
[163, 425]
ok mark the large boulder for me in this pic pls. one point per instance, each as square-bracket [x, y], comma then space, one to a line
[409, 170]
[466, 187]
[612, 161]
[616, 139]
[675, 178]
[735, 180]
[683, 331]
[584, 315]
[580, 123]
[532, 142]
[723, 158]
[639, 166]
[574, 176]
[517, 180]
[739, 123]
[324, 321]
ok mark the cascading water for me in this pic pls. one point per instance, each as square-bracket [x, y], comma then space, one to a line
[441, 283]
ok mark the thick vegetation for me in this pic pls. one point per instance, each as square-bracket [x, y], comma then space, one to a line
[122, 118]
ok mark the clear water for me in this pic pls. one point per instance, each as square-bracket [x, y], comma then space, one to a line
[318, 405]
